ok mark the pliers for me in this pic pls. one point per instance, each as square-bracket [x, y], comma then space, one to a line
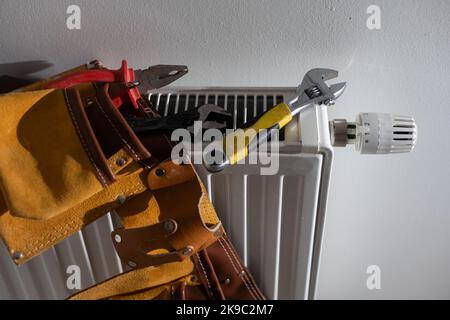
[211, 117]
[134, 82]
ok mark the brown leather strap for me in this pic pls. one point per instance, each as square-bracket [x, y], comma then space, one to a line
[225, 273]
[119, 129]
[133, 245]
[183, 291]
[207, 276]
[184, 227]
[87, 137]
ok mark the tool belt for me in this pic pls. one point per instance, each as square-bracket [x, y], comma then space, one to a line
[68, 157]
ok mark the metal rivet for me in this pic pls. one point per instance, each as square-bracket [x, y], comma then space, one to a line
[227, 281]
[132, 264]
[89, 102]
[168, 225]
[160, 172]
[118, 238]
[121, 199]
[132, 84]
[242, 273]
[17, 255]
[121, 161]
[188, 251]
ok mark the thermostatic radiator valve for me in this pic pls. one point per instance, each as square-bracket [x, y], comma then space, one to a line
[375, 133]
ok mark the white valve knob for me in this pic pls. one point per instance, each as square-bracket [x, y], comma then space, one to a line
[376, 133]
[382, 133]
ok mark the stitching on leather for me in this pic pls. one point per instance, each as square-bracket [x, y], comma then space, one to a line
[118, 133]
[83, 141]
[229, 258]
[237, 261]
[245, 276]
[237, 271]
[138, 158]
[204, 271]
[67, 228]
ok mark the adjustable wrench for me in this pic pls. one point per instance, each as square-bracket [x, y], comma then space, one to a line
[312, 91]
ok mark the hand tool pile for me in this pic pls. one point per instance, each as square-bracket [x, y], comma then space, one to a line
[84, 143]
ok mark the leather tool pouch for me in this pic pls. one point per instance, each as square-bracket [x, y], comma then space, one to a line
[69, 157]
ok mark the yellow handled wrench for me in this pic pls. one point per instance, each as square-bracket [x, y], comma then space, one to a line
[312, 91]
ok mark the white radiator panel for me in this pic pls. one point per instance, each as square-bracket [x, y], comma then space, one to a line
[271, 220]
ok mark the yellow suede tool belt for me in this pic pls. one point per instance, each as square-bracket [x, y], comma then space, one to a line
[68, 157]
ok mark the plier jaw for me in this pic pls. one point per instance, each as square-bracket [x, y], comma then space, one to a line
[158, 76]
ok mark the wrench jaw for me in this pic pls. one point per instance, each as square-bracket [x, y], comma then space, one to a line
[338, 89]
[212, 117]
[324, 74]
[210, 109]
[314, 90]
[315, 77]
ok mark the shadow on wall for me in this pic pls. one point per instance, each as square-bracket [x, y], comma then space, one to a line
[17, 74]
[23, 68]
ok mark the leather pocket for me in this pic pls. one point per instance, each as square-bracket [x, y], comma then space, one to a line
[49, 158]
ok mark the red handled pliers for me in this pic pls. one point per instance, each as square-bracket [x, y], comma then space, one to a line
[135, 81]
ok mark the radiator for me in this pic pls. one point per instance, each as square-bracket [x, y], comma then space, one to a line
[275, 222]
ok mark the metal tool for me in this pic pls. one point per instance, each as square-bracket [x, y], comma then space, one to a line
[211, 116]
[136, 81]
[312, 91]
[158, 76]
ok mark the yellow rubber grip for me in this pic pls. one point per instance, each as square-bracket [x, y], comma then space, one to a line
[236, 144]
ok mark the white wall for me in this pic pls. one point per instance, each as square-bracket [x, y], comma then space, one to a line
[391, 211]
